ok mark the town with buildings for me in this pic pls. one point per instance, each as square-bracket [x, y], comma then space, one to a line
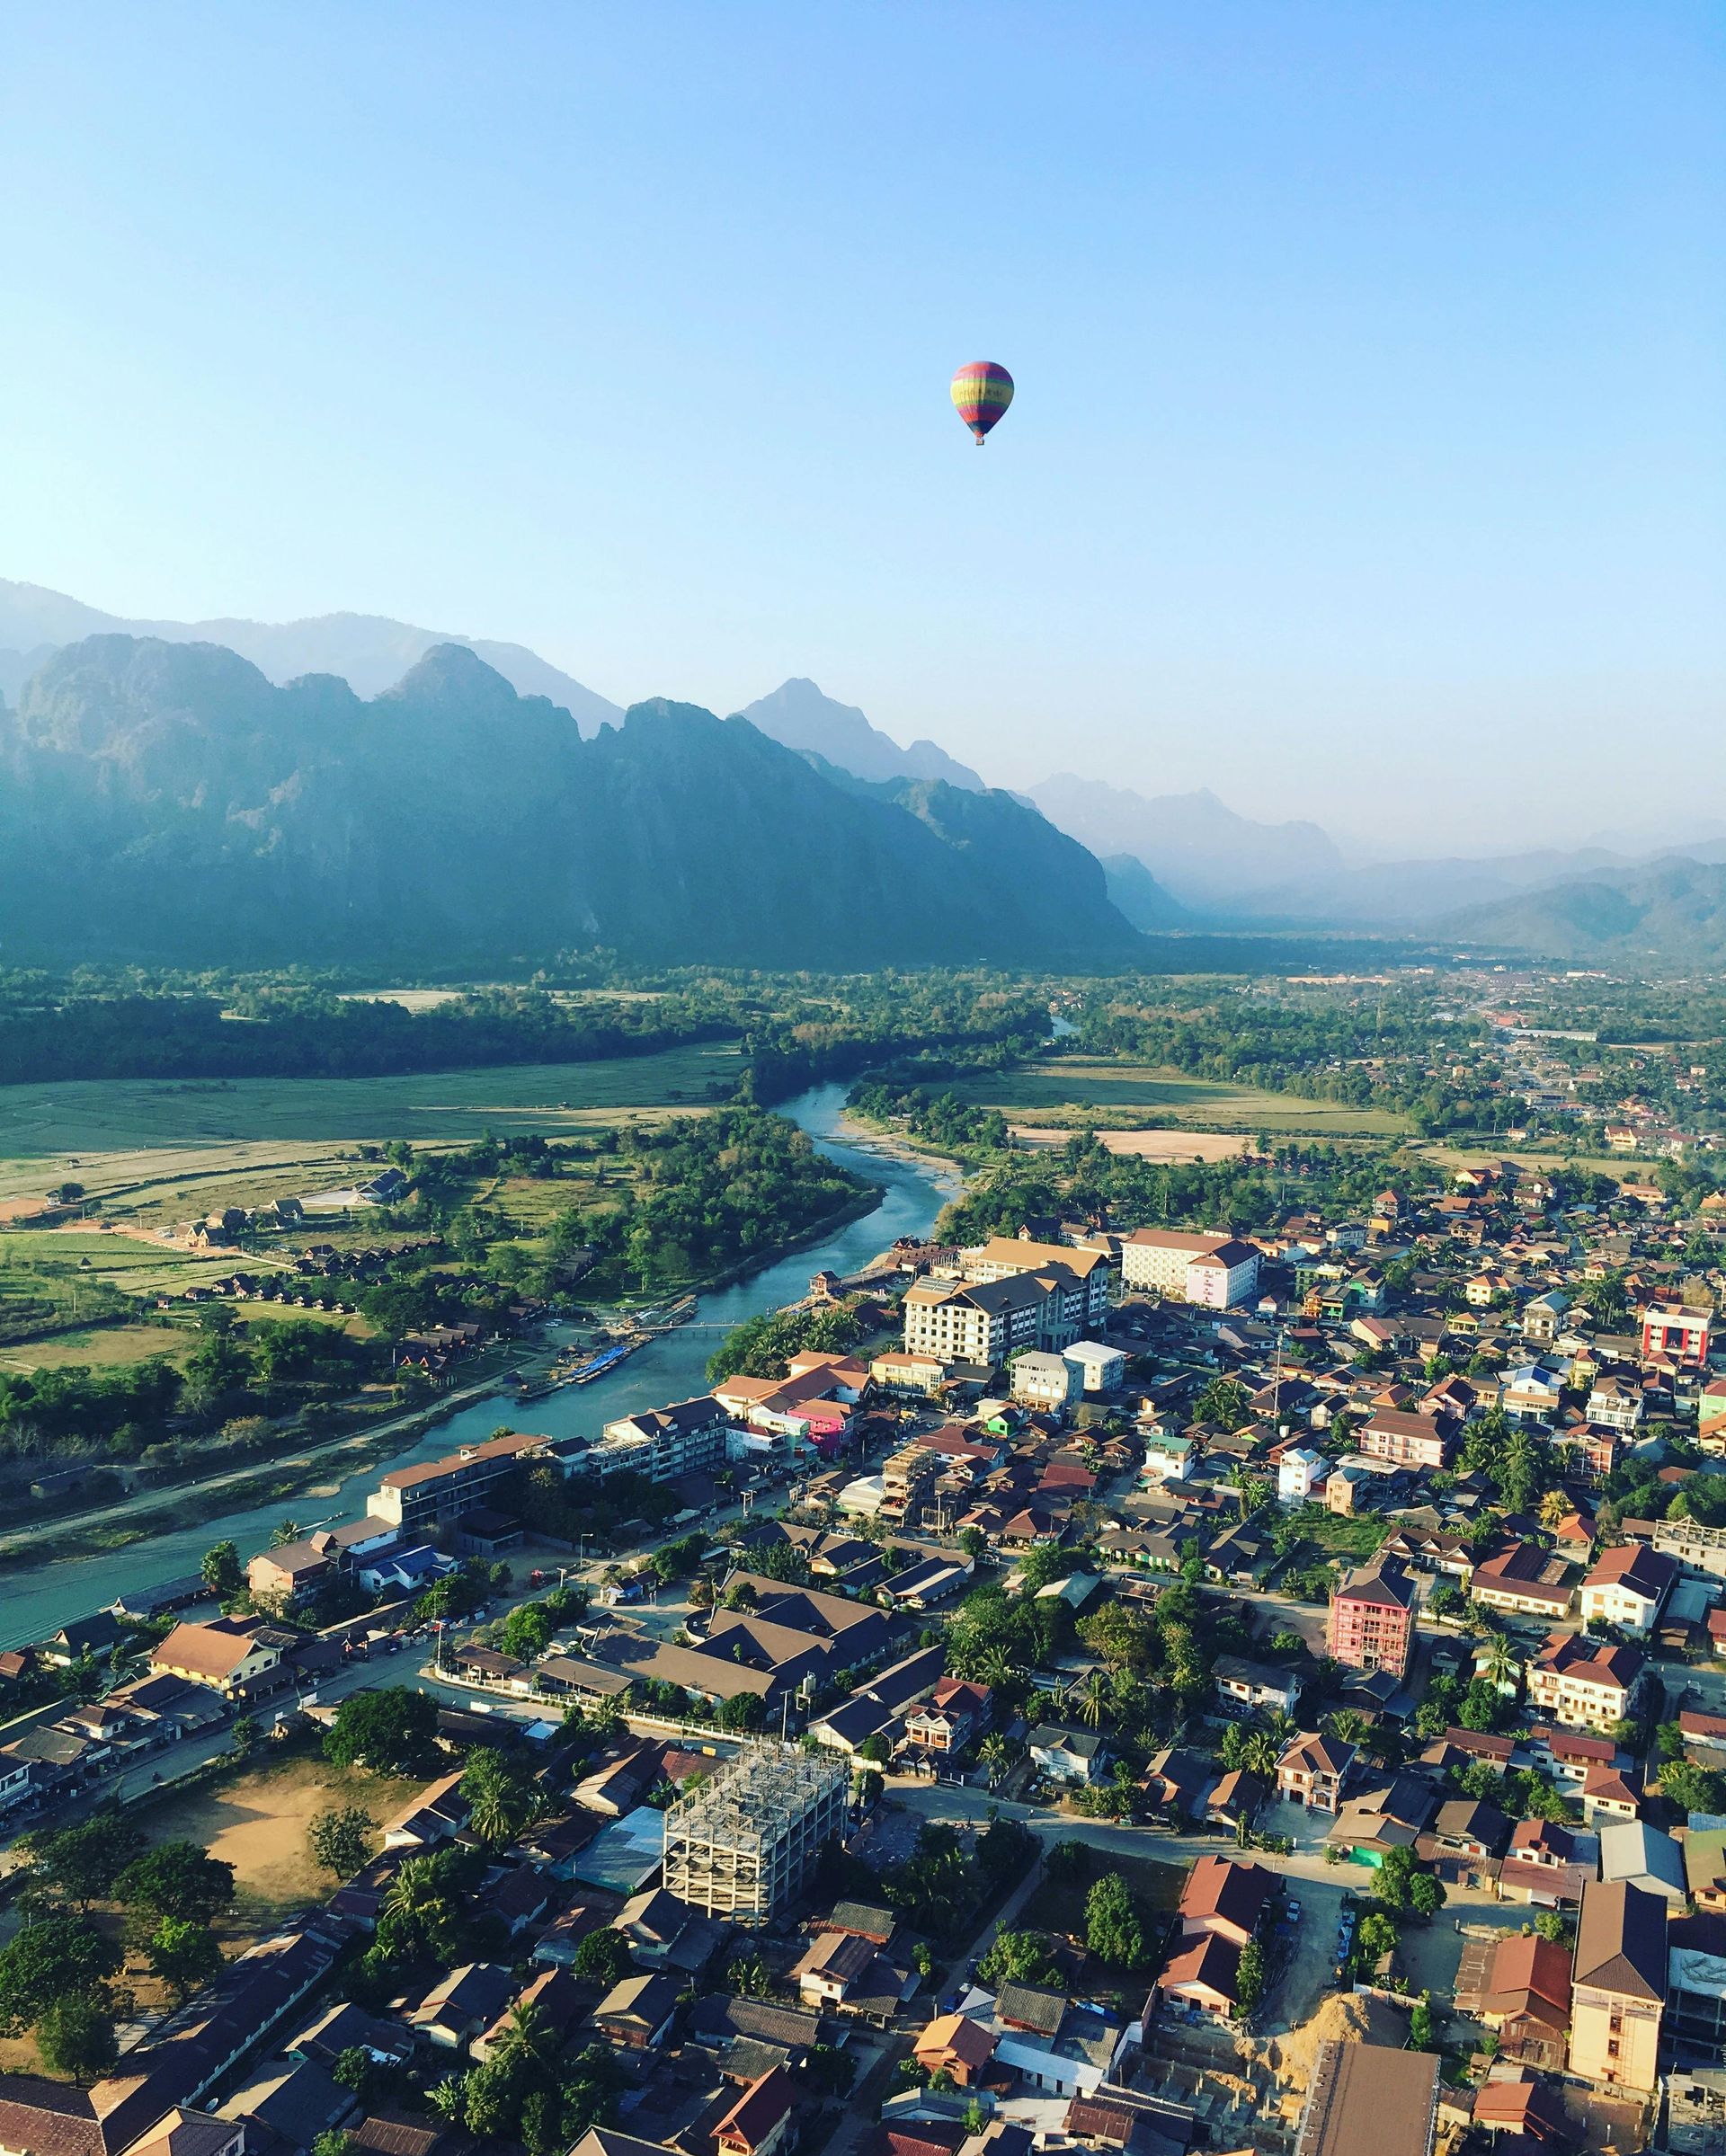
[1181, 1691]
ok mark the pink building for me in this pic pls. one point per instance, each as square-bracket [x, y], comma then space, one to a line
[1372, 1620]
[1678, 1332]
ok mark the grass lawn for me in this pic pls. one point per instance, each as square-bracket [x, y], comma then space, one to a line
[257, 1821]
[99, 1347]
[1058, 1905]
[1063, 1083]
[1342, 1535]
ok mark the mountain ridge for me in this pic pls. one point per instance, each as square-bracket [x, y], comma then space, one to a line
[166, 800]
[798, 714]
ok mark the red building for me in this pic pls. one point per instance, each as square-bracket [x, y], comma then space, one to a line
[1372, 1620]
[1676, 1331]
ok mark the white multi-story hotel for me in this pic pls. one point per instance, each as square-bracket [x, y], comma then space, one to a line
[1217, 1271]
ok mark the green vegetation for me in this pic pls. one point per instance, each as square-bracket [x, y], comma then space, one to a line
[391, 1731]
[1159, 1093]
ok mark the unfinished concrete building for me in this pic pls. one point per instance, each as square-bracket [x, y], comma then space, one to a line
[739, 1846]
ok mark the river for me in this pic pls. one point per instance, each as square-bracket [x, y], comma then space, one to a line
[673, 1368]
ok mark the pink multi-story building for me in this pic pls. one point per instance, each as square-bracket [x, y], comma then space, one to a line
[1678, 1332]
[1372, 1620]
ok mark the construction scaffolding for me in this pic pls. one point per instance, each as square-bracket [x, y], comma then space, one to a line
[739, 1846]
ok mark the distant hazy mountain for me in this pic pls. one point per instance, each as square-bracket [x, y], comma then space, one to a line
[1195, 846]
[1672, 911]
[1138, 895]
[166, 800]
[368, 650]
[799, 715]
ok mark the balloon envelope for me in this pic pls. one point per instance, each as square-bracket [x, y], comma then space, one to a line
[982, 392]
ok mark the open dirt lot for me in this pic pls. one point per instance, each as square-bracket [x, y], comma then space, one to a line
[1171, 1144]
[257, 1823]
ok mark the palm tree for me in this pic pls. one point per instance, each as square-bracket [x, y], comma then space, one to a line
[417, 1902]
[1498, 1661]
[1348, 1726]
[995, 1755]
[1261, 1752]
[1554, 1506]
[530, 2039]
[1093, 1705]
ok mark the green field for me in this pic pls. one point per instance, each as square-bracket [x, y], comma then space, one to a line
[108, 1116]
[1063, 1086]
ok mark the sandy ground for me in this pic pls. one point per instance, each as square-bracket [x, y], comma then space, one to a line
[257, 1823]
[1177, 1145]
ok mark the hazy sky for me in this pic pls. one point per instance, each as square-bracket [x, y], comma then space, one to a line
[1368, 460]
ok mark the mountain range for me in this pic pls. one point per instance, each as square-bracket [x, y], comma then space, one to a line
[166, 800]
[1172, 861]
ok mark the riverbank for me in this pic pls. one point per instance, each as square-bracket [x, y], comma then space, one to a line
[910, 1192]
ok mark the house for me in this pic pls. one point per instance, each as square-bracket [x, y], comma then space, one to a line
[1420, 1442]
[762, 2119]
[1254, 1684]
[465, 2004]
[1583, 1684]
[1628, 1587]
[1041, 1379]
[1618, 1988]
[1068, 1755]
[955, 2045]
[1237, 1799]
[1202, 1974]
[1609, 1794]
[1677, 1332]
[1633, 1851]
[1465, 1835]
[1524, 1579]
[1369, 2099]
[636, 2014]
[1547, 1864]
[1532, 1393]
[1101, 1369]
[1526, 1999]
[1299, 1474]
[1371, 1622]
[1614, 1403]
[227, 1660]
[1312, 1772]
[1176, 1780]
[845, 1970]
[954, 1712]
[1226, 1899]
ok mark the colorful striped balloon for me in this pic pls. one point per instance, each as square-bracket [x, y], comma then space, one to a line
[982, 392]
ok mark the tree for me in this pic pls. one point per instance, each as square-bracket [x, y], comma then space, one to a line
[178, 1879]
[1426, 1893]
[341, 1841]
[1552, 1924]
[334, 2142]
[183, 1955]
[74, 2037]
[1223, 1402]
[1018, 1957]
[83, 1863]
[503, 1803]
[1250, 1978]
[1376, 1935]
[603, 1957]
[55, 1958]
[1112, 1926]
[743, 1710]
[1421, 2027]
[422, 1916]
[221, 1573]
[245, 1736]
[285, 1530]
[391, 1731]
[526, 1631]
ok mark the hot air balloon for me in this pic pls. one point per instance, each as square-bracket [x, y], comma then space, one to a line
[982, 392]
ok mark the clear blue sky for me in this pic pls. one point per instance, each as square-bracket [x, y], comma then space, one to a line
[1368, 459]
